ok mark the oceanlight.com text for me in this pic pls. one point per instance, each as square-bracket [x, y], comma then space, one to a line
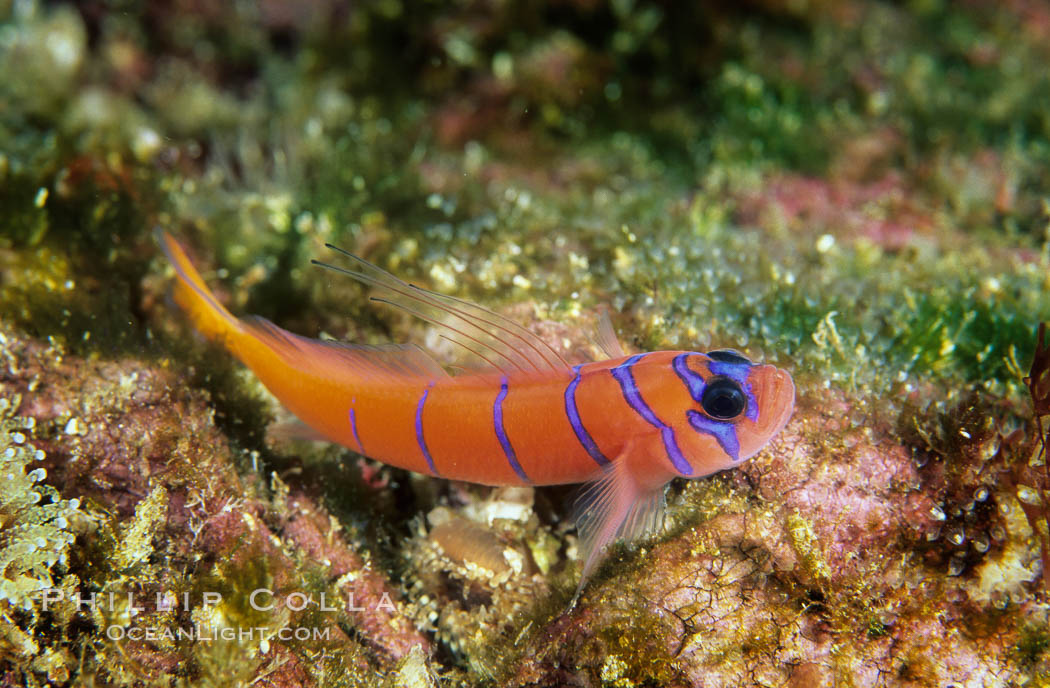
[207, 633]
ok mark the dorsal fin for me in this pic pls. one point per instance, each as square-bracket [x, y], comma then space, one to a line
[498, 340]
[607, 340]
[387, 361]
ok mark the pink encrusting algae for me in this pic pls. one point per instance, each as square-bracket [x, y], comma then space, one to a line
[823, 563]
[162, 499]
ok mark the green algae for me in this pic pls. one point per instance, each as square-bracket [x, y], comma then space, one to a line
[37, 526]
[75, 272]
[947, 332]
[136, 536]
[306, 193]
[1034, 643]
[37, 532]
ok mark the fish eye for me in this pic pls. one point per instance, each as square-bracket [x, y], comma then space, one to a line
[728, 356]
[723, 399]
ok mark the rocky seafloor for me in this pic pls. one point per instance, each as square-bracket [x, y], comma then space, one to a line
[858, 192]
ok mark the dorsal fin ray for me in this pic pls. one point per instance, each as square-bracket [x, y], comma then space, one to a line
[458, 336]
[495, 339]
[477, 353]
[607, 340]
[529, 338]
[401, 297]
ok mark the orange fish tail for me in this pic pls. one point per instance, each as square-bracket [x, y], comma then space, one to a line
[209, 317]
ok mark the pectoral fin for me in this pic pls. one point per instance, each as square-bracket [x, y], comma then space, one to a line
[623, 502]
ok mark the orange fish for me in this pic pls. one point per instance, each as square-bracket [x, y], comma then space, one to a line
[626, 425]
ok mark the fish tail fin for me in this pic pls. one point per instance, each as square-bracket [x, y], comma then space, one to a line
[623, 502]
[208, 316]
[256, 340]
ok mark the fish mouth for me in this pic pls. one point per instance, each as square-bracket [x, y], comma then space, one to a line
[774, 393]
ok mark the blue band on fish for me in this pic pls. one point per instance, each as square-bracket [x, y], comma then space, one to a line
[573, 414]
[419, 430]
[622, 373]
[692, 379]
[724, 433]
[353, 428]
[501, 431]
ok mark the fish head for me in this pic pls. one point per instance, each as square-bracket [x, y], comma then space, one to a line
[737, 407]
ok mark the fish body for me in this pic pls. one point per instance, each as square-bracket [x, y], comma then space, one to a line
[626, 425]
